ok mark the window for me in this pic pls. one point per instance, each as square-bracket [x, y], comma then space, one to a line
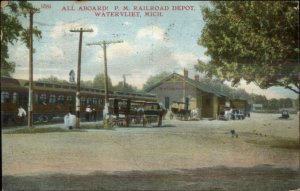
[52, 99]
[82, 101]
[69, 99]
[43, 98]
[39, 84]
[4, 97]
[94, 101]
[122, 106]
[61, 99]
[15, 97]
[36, 98]
[100, 101]
[89, 101]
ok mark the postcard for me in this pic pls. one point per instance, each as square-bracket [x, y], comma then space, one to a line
[150, 95]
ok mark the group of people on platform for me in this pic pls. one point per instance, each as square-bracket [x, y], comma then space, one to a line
[90, 113]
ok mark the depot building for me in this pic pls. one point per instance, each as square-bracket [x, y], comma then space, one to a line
[190, 90]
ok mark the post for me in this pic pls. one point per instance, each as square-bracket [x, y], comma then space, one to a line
[124, 80]
[78, 75]
[106, 106]
[105, 73]
[30, 93]
[78, 81]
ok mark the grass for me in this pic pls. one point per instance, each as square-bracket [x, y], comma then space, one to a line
[277, 142]
[286, 144]
[92, 126]
[41, 130]
[57, 129]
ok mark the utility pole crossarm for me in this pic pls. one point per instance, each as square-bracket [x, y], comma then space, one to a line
[101, 43]
[31, 10]
[81, 30]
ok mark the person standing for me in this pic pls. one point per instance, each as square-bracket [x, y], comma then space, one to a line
[94, 114]
[88, 112]
[21, 113]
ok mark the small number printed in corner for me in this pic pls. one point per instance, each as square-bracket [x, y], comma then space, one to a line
[46, 5]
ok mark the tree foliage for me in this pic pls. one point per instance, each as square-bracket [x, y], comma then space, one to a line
[253, 40]
[155, 79]
[125, 88]
[53, 79]
[12, 30]
[99, 82]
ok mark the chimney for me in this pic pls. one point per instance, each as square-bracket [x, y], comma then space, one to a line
[185, 73]
[197, 78]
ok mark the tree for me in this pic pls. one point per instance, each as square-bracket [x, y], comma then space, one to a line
[127, 88]
[88, 83]
[12, 31]
[257, 41]
[99, 82]
[155, 79]
[285, 103]
[53, 79]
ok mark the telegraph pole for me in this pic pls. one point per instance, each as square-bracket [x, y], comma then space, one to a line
[104, 44]
[78, 73]
[30, 93]
[299, 123]
[124, 79]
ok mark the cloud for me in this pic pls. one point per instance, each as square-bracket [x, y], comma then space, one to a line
[126, 23]
[145, 55]
[186, 59]
[120, 50]
[204, 58]
[62, 30]
[272, 92]
[151, 32]
[53, 54]
[19, 54]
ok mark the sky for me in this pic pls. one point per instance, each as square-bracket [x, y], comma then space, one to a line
[166, 41]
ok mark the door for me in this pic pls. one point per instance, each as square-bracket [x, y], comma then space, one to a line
[167, 102]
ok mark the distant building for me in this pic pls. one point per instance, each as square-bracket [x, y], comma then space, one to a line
[198, 95]
[257, 107]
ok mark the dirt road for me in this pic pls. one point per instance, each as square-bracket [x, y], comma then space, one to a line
[261, 140]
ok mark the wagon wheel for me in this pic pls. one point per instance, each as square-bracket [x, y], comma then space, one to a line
[42, 119]
[186, 117]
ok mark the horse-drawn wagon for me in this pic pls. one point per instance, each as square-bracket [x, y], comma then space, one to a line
[125, 112]
[180, 110]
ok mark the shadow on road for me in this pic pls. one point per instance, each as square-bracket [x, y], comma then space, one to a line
[264, 177]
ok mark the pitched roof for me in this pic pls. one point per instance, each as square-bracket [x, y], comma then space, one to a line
[197, 84]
